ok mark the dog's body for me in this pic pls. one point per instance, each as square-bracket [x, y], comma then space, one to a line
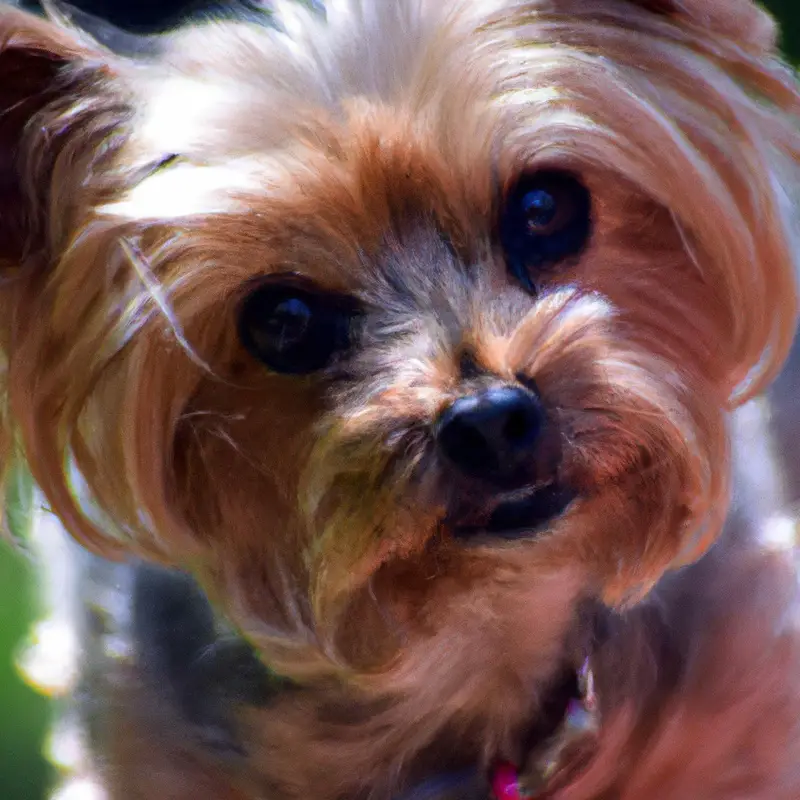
[414, 333]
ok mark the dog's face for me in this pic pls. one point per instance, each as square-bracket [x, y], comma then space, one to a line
[406, 329]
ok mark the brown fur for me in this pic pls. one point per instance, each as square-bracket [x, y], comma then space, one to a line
[315, 513]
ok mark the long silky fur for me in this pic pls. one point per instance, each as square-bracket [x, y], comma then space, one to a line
[367, 146]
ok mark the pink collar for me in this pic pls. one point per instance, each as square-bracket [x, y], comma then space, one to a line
[505, 783]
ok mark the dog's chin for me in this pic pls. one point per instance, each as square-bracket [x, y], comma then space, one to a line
[521, 515]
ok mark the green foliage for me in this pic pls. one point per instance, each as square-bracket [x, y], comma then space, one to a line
[19, 501]
[24, 775]
[788, 13]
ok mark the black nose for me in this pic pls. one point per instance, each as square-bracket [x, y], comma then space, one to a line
[492, 435]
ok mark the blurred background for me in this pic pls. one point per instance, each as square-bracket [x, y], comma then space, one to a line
[24, 773]
[788, 12]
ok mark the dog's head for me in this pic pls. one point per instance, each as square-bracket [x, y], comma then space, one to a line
[406, 326]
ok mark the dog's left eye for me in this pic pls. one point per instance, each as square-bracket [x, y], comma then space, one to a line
[295, 329]
[545, 220]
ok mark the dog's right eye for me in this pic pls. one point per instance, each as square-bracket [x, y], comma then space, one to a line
[295, 329]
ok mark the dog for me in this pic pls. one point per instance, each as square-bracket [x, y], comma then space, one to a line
[397, 369]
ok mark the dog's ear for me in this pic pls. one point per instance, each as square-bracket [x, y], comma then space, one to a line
[55, 103]
[742, 21]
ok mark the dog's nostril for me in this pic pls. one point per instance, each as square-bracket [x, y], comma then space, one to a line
[492, 434]
[466, 446]
[518, 428]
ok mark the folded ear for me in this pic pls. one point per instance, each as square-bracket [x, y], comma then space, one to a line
[58, 97]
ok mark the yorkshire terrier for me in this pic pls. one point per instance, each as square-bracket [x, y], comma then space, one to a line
[399, 352]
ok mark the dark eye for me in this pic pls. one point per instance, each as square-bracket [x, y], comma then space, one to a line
[295, 329]
[546, 219]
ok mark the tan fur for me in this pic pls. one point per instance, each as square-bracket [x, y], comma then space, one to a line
[313, 515]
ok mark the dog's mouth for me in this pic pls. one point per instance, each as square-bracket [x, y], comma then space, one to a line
[522, 515]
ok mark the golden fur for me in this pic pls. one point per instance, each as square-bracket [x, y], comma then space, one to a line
[139, 201]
